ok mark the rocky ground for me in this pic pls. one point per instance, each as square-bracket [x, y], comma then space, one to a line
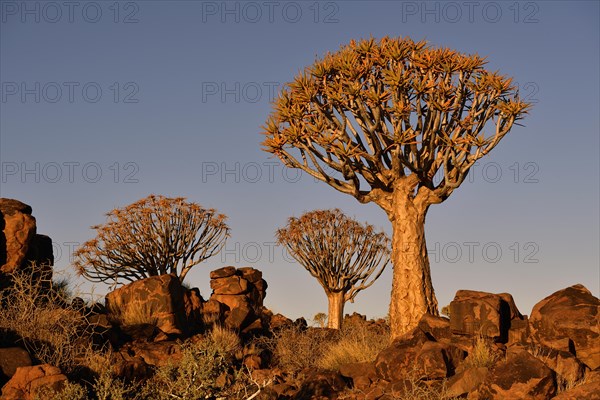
[154, 332]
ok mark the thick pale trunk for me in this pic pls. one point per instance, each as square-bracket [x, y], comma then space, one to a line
[336, 310]
[412, 290]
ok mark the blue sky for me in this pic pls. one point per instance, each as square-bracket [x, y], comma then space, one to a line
[103, 103]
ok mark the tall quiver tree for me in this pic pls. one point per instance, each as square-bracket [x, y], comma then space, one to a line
[342, 254]
[397, 123]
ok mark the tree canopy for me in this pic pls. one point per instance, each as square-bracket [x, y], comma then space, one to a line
[153, 236]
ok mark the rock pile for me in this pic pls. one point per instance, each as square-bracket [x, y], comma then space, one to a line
[20, 244]
[237, 298]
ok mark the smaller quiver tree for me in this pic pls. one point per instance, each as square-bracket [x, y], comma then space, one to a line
[154, 236]
[342, 254]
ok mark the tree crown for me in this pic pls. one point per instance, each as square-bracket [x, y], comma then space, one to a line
[377, 112]
[342, 254]
[153, 236]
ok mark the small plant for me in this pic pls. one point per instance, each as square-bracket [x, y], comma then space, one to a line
[482, 354]
[224, 340]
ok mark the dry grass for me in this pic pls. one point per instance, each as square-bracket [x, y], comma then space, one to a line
[482, 355]
[35, 313]
[224, 340]
[140, 315]
[357, 343]
[295, 349]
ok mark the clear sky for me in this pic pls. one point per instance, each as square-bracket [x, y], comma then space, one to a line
[103, 103]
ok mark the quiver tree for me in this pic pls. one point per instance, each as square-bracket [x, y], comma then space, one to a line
[397, 123]
[342, 254]
[154, 236]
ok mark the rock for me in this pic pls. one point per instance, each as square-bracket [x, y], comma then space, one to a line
[254, 327]
[232, 301]
[242, 291]
[193, 305]
[437, 328]
[250, 274]
[20, 245]
[566, 365]
[158, 300]
[437, 360]
[27, 382]
[232, 285]
[361, 373]
[520, 376]
[480, 313]
[279, 321]
[316, 384]
[156, 354]
[586, 391]
[222, 272]
[132, 369]
[19, 229]
[519, 331]
[12, 358]
[396, 361]
[40, 250]
[213, 311]
[567, 320]
[237, 317]
[465, 381]
[252, 361]
[284, 390]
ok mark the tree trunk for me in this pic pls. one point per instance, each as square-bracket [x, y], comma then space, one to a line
[336, 309]
[412, 290]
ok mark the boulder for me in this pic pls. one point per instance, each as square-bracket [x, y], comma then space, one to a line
[193, 305]
[12, 358]
[437, 360]
[28, 382]
[250, 274]
[152, 353]
[466, 381]
[361, 373]
[20, 245]
[318, 384]
[567, 320]
[476, 313]
[232, 285]
[158, 300]
[567, 367]
[222, 273]
[437, 328]
[585, 391]
[18, 230]
[520, 376]
[279, 321]
[397, 360]
[213, 311]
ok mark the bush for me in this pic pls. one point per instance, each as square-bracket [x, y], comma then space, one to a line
[482, 354]
[206, 370]
[295, 349]
[37, 315]
[357, 343]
